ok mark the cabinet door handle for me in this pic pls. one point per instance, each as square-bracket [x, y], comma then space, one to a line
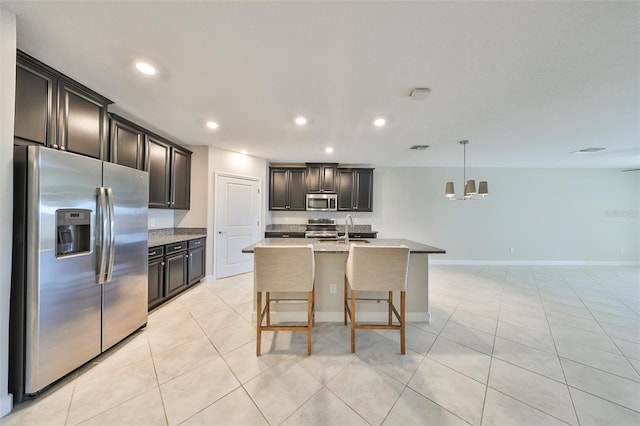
[161, 263]
[177, 248]
[152, 254]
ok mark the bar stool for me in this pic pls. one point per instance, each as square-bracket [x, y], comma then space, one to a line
[376, 268]
[283, 269]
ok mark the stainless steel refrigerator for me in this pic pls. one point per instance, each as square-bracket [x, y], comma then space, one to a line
[79, 277]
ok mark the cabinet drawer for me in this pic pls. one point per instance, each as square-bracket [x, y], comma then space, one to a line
[156, 252]
[196, 243]
[175, 247]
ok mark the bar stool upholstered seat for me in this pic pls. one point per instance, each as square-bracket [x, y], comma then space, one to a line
[283, 269]
[377, 269]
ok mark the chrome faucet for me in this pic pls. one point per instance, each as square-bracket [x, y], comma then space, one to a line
[347, 219]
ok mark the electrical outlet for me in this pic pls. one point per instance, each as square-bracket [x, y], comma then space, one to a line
[152, 222]
[333, 288]
[511, 250]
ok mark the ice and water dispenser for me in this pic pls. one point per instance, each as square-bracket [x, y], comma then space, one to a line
[73, 228]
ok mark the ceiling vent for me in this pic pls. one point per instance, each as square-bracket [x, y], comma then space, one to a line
[419, 147]
[419, 94]
[587, 150]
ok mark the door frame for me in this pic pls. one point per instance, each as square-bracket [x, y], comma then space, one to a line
[216, 192]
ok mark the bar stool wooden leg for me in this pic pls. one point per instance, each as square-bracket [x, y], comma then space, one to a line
[402, 321]
[268, 309]
[389, 307]
[258, 321]
[345, 301]
[353, 321]
[309, 320]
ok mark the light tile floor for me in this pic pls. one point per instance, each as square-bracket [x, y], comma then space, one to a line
[506, 346]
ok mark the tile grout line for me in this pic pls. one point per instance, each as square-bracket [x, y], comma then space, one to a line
[495, 334]
[553, 338]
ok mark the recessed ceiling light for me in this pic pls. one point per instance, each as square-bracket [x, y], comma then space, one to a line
[379, 122]
[301, 121]
[146, 68]
[212, 125]
[328, 150]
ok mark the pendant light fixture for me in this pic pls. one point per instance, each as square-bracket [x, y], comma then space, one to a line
[470, 192]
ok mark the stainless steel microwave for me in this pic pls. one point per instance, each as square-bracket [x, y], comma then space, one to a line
[322, 202]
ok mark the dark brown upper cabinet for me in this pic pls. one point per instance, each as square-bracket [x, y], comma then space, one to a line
[355, 190]
[82, 120]
[126, 143]
[58, 112]
[180, 178]
[169, 168]
[321, 177]
[287, 188]
[36, 87]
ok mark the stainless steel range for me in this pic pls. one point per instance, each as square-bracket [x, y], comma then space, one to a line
[321, 228]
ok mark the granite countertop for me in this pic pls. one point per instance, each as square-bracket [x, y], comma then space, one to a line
[340, 247]
[160, 237]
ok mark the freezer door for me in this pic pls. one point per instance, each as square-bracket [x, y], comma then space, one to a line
[63, 301]
[125, 291]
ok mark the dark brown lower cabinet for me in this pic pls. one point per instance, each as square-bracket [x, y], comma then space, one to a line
[174, 267]
[156, 276]
[196, 261]
[176, 272]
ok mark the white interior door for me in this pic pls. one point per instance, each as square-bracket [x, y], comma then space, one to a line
[237, 223]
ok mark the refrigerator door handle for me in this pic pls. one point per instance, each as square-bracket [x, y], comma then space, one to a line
[101, 219]
[112, 234]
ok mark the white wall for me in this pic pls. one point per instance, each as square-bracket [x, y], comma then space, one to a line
[7, 107]
[545, 215]
[205, 163]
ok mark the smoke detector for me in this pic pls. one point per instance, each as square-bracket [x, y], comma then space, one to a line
[419, 94]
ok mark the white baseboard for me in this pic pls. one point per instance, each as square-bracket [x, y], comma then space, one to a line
[6, 404]
[435, 261]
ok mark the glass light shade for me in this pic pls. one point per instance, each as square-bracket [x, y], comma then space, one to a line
[470, 187]
[483, 188]
[449, 191]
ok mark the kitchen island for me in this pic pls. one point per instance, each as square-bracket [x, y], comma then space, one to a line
[330, 257]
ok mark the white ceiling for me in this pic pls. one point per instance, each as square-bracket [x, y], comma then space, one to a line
[525, 82]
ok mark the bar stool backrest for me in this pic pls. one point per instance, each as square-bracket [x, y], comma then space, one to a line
[377, 268]
[284, 268]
